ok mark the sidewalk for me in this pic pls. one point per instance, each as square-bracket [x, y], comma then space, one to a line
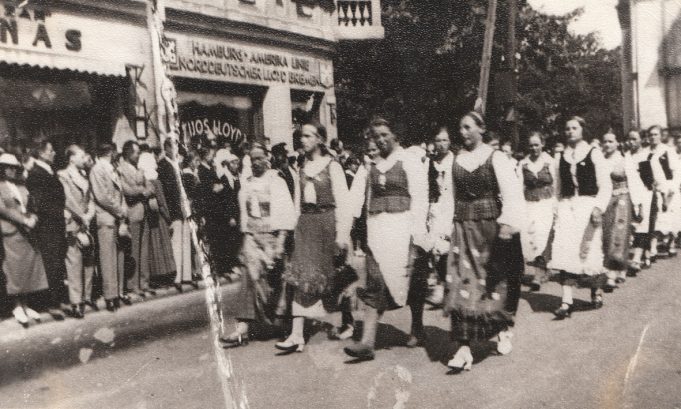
[26, 352]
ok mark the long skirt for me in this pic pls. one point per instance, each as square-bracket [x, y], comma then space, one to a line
[535, 235]
[312, 271]
[667, 221]
[644, 226]
[23, 266]
[617, 232]
[161, 261]
[577, 249]
[483, 280]
[261, 296]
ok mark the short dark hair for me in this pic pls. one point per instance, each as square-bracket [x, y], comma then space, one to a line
[71, 150]
[167, 143]
[397, 127]
[129, 148]
[39, 147]
[105, 149]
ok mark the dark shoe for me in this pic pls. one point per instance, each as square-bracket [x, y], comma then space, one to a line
[93, 305]
[620, 280]
[117, 303]
[360, 351]
[76, 313]
[195, 284]
[565, 311]
[597, 302]
[126, 300]
[142, 294]
[111, 305]
[534, 286]
[234, 340]
[609, 287]
[81, 308]
[150, 293]
[178, 287]
[57, 314]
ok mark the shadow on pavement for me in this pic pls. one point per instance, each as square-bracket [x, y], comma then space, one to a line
[540, 302]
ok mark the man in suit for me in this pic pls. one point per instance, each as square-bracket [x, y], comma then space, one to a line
[111, 212]
[170, 176]
[49, 201]
[136, 192]
[80, 211]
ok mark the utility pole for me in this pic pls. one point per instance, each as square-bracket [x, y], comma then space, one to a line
[485, 66]
[511, 112]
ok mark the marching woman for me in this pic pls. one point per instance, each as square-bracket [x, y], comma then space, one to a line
[618, 216]
[321, 236]
[641, 189]
[267, 218]
[538, 173]
[584, 190]
[665, 165]
[396, 200]
[485, 253]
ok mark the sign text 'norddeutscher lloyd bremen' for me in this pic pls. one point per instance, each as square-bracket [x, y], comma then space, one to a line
[245, 64]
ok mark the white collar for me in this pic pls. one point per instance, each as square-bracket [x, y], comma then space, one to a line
[386, 164]
[471, 160]
[45, 166]
[578, 153]
[446, 163]
[313, 167]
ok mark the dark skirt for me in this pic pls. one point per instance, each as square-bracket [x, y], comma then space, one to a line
[483, 280]
[312, 270]
[161, 261]
[617, 232]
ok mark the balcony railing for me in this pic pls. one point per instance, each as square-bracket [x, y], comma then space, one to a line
[359, 19]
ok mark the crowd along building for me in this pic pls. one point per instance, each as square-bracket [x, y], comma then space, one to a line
[651, 63]
[82, 71]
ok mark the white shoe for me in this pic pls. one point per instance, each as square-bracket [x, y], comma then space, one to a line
[504, 346]
[291, 344]
[20, 315]
[463, 359]
[33, 314]
[347, 333]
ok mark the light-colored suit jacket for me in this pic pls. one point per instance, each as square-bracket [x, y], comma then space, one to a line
[134, 187]
[108, 195]
[79, 204]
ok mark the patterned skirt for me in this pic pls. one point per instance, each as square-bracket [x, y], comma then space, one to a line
[312, 270]
[161, 261]
[617, 232]
[261, 297]
[483, 280]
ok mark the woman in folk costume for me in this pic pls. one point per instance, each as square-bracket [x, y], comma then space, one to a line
[665, 165]
[641, 189]
[321, 236]
[268, 217]
[396, 199]
[161, 261]
[22, 264]
[584, 190]
[538, 174]
[619, 214]
[489, 211]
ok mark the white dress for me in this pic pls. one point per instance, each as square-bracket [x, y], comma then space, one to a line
[666, 220]
[571, 252]
[535, 235]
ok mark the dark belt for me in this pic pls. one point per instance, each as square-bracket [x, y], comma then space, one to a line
[307, 208]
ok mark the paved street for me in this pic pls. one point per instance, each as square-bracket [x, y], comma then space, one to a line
[158, 355]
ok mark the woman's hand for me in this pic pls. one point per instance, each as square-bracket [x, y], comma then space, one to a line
[596, 217]
[505, 232]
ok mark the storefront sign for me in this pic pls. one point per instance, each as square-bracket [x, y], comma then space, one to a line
[233, 62]
[43, 34]
[28, 28]
[215, 122]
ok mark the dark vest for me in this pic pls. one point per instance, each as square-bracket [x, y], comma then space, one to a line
[664, 162]
[539, 186]
[645, 171]
[586, 177]
[389, 191]
[477, 192]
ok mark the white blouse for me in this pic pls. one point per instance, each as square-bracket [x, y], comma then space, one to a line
[282, 212]
[510, 186]
[576, 155]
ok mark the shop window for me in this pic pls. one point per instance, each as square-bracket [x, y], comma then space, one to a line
[219, 112]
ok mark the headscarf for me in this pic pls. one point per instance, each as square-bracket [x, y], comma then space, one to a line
[147, 164]
[222, 156]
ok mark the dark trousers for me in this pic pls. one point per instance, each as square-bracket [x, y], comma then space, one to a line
[51, 240]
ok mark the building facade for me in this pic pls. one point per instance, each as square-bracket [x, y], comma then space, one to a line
[82, 71]
[651, 63]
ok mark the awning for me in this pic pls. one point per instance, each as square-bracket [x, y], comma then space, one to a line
[61, 62]
[20, 94]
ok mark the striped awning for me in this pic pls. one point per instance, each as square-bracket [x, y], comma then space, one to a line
[61, 62]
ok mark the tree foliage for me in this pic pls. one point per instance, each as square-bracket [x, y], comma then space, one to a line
[426, 70]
